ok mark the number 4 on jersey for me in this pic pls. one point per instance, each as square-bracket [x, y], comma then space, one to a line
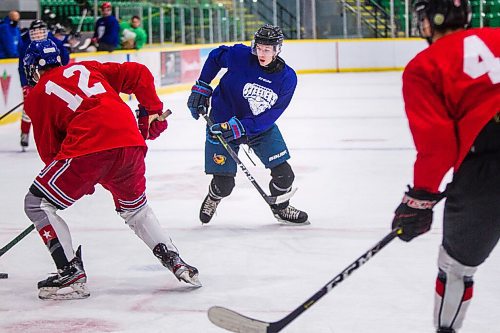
[479, 60]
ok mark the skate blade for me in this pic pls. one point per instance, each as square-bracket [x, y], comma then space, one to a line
[193, 280]
[285, 222]
[75, 291]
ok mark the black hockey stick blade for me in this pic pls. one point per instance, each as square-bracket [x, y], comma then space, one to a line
[235, 322]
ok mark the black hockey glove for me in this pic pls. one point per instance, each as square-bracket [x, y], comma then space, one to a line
[413, 216]
[230, 130]
[200, 97]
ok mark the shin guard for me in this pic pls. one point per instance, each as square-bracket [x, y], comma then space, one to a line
[146, 226]
[454, 286]
[51, 227]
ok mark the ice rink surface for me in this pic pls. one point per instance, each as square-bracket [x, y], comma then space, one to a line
[352, 154]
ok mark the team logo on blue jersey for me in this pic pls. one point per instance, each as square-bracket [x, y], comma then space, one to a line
[219, 159]
[259, 98]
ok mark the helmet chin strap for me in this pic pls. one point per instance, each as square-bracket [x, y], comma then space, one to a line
[36, 75]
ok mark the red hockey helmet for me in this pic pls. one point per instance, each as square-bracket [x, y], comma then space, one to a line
[106, 5]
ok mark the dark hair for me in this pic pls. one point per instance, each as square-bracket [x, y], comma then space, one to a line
[135, 17]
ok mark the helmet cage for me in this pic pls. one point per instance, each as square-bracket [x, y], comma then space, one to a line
[38, 30]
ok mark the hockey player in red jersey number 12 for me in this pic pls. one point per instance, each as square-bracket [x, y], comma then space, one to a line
[451, 92]
[86, 135]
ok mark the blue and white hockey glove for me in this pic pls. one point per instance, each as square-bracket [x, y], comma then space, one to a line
[200, 97]
[230, 130]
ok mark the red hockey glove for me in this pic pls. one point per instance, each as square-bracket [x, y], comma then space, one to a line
[26, 91]
[413, 216]
[149, 123]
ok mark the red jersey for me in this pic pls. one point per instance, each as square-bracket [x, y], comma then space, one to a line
[451, 90]
[76, 110]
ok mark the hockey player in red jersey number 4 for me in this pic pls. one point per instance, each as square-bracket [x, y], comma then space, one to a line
[451, 92]
[86, 135]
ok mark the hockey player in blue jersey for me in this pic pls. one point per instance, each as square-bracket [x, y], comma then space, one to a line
[251, 96]
[37, 31]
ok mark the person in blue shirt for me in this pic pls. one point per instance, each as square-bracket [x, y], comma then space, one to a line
[36, 32]
[10, 34]
[107, 30]
[251, 96]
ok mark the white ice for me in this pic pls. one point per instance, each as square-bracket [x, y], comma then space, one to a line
[352, 154]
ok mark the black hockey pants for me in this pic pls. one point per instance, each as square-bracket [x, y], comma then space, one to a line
[472, 210]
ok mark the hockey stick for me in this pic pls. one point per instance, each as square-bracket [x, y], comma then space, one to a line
[77, 34]
[269, 199]
[79, 28]
[17, 239]
[11, 110]
[235, 322]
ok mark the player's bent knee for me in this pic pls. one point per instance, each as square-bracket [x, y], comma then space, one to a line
[35, 207]
[222, 186]
[145, 225]
[450, 265]
[282, 175]
[131, 217]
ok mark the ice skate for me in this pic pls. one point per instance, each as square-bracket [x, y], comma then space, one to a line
[24, 141]
[208, 208]
[67, 283]
[445, 330]
[172, 261]
[291, 216]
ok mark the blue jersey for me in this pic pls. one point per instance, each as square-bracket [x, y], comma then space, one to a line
[9, 39]
[23, 45]
[107, 30]
[246, 91]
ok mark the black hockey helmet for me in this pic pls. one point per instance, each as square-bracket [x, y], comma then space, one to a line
[38, 24]
[38, 30]
[442, 14]
[268, 34]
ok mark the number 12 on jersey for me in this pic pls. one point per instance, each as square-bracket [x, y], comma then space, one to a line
[74, 101]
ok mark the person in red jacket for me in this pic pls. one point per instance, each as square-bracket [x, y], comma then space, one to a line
[451, 92]
[86, 135]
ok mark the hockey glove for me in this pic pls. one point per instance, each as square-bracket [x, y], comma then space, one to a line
[230, 130]
[26, 91]
[149, 125]
[413, 216]
[200, 97]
